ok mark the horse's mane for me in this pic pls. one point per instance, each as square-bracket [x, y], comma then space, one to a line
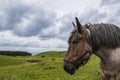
[103, 35]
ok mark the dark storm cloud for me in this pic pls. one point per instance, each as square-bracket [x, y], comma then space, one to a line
[109, 2]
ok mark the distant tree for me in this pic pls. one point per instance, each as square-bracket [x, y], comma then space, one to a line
[15, 53]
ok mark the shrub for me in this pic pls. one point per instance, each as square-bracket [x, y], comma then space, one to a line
[34, 60]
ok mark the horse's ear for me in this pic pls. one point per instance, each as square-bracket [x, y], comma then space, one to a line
[73, 24]
[79, 26]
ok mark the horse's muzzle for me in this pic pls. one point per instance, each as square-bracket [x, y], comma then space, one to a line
[69, 67]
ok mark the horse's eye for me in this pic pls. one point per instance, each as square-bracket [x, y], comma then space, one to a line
[74, 42]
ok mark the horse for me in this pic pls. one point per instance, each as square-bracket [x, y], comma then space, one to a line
[102, 40]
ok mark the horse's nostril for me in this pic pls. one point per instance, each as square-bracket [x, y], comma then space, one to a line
[64, 59]
[65, 67]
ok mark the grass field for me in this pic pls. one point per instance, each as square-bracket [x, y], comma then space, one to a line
[45, 66]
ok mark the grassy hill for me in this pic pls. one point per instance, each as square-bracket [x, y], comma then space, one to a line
[45, 66]
[52, 54]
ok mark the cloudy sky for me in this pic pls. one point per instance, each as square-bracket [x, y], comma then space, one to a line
[43, 25]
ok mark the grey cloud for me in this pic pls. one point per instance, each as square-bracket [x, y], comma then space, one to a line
[60, 31]
[92, 16]
[112, 10]
[38, 24]
[14, 17]
[115, 19]
[95, 16]
[26, 20]
[10, 14]
[66, 27]
[109, 2]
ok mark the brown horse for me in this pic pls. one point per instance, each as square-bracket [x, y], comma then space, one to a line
[103, 40]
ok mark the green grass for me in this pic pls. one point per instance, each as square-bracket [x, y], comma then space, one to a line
[8, 61]
[47, 67]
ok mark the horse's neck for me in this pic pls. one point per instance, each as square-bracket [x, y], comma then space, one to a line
[109, 54]
[109, 60]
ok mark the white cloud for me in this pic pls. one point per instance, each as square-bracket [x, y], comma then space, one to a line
[14, 42]
[111, 8]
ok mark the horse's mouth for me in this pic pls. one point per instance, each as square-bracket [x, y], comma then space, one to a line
[70, 67]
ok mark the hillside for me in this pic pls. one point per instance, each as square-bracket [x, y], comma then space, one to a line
[8, 61]
[44, 66]
[52, 54]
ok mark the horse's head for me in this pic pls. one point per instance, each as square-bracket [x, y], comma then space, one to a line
[78, 51]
